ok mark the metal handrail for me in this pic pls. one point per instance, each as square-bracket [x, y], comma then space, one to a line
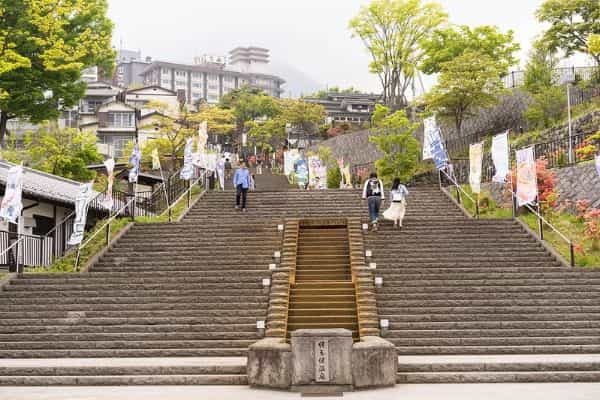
[188, 192]
[459, 190]
[542, 221]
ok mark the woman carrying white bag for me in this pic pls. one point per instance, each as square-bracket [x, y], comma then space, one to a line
[398, 204]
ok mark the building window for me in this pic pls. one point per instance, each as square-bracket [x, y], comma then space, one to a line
[196, 85]
[120, 119]
[197, 75]
[165, 71]
[229, 79]
[91, 106]
[213, 77]
[213, 87]
[180, 83]
[166, 81]
[213, 98]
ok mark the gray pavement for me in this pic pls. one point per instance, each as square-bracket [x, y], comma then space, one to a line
[525, 391]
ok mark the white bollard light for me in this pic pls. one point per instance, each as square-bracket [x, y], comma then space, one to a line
[280, 228]
[373, 265]
[384, 323]
[272, 267]
[378, 281]
[266, 282]
[368, 253]
[260, 324]
[277, 254]
[365, 227]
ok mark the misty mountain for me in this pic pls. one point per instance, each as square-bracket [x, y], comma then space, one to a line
[296, 81]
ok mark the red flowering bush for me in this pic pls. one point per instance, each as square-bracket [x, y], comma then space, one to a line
[581, 207]
[592, 229]
[335, 131]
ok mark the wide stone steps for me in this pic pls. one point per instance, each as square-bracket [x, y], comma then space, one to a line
[187, 351]
[498, 369]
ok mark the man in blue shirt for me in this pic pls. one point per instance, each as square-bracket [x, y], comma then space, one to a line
[241, 182]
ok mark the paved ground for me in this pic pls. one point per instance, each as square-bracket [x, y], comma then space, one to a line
[525, 391]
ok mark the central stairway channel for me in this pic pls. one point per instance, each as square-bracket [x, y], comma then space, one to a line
[323, 295]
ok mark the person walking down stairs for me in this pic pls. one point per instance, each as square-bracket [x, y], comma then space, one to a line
[397, 204]
[373, 193]
[242, 182]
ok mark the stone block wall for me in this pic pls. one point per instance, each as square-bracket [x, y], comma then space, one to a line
[577, 182]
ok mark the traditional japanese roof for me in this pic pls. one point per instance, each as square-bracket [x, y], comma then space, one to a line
[44, 186]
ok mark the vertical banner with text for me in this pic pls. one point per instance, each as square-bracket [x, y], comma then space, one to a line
[475, 161]
[500, 157]
[526, 177]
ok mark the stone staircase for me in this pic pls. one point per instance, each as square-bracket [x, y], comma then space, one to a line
[459, 286]
[323, 295]
[459, 295]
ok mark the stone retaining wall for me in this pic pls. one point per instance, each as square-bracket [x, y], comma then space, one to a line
[577, 182]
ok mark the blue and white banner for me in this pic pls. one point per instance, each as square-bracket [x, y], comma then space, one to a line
[429, 131]
[188, 158]
[134, 161]
[438, 152]
[500, 157]
[12, 203]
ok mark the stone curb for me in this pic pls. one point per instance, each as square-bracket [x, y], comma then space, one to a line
[104, 250]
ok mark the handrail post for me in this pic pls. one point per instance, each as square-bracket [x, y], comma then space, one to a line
[189, 196]
[440, 178]
[540, 221]
[477, 207]
[77, 257]
[572, 254]
[108, 234]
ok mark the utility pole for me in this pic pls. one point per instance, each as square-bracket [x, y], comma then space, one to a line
[570, 125]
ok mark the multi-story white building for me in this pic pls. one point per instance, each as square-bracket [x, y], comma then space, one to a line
[211, 77]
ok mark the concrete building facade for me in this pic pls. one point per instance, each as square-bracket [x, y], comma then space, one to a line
[212, 77]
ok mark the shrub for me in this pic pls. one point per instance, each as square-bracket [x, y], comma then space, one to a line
[548, 107]
[546, 182]
[592, 228]
[334, 177]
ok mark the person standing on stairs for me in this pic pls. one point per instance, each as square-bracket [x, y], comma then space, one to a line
[241, 182]
[373, 193]
[398, 204]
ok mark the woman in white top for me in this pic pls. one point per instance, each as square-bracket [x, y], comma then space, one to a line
[398, 204]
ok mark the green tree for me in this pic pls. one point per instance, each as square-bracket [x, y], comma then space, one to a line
[302, 114]
[549, 101]
[44, 46]
[594, 44]
[446, 44]
[249, 104]
[323, 94]
[467, 83]
[221, 121]
[571, 24]
[392, 31]
[174, 134]
[394, 137]
[62, 152]
[268, 134]
[539, 71]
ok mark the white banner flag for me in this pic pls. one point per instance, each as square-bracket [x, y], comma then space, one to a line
[476, 161]
[429, 129]
[134, 160]
[81, 207]
[221, 172]
[500, 157]
[12, 203]
[526, 177]
[188, 158]
[202, 137]
[598, 163]
[108, 201]
[155, 159]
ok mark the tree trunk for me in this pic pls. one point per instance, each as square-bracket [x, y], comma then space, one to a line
[3, 121]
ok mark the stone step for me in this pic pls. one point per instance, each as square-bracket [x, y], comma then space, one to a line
[497, 377]
[494, 341]
[126, 345]
[119, 380]
[248, 293]
[471, 310]
[140, 305]
[207, 283]
[118, 353]
[236, 301]
[221, 340]
[390, 294]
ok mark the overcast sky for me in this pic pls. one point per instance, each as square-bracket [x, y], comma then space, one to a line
[310, 35]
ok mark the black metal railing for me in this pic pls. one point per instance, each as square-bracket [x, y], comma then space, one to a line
[562, 75]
